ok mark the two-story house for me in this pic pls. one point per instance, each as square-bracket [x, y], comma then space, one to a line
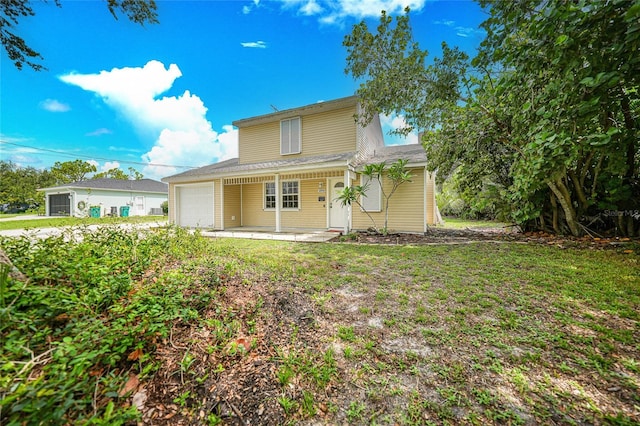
[291, 167]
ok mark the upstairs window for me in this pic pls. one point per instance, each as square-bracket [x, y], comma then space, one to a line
[290, 136]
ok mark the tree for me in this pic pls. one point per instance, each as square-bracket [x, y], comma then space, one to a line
[71, 171]
[20, 53]
[20, 184]
[547, 113]
[397, 173]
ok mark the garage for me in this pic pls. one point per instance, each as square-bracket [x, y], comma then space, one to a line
[60, 204]
[195, 206]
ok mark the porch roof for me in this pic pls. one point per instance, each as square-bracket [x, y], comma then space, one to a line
[232, 168]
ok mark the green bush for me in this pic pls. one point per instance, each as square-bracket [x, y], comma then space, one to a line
[88, 303]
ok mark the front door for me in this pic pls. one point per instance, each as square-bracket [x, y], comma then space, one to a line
[337, 212]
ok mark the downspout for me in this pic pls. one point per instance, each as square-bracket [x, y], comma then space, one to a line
[72, 203]
[277, 184]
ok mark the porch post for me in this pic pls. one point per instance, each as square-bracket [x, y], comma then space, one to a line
[222, 204]
[347, 184]
[277, 202]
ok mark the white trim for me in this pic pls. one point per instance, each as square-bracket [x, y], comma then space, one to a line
[277, 185]
[221, 204]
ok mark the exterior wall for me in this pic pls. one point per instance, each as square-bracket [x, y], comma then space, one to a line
[172, 203]
[253, 213]
[107, 199]
[232, 206]
[406, 210]
[370, 138]
[327, 132]
[312, 213]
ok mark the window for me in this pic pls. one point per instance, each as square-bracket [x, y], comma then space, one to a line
[290, 138]
[372, 201]
[289, 196]
[270, 195]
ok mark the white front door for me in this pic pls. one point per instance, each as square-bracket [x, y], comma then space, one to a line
[140, 206]
[337, 212]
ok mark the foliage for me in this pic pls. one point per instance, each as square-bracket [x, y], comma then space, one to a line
[397, 173]
[165, 207]
[547, 113]
[117, 173]
[19, 184]
[20, 53]
[89, 303]
[71, 171]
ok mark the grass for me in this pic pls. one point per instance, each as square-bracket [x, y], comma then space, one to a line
[478, 333]
[53, 222]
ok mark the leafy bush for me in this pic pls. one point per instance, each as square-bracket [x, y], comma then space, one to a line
[92, 300]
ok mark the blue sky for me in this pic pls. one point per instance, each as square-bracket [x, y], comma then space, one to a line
[162, 97]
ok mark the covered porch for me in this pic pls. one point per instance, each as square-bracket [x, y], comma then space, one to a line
[284, 202]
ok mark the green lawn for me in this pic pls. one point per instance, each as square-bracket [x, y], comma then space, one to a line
[276, 332]
[52, 222]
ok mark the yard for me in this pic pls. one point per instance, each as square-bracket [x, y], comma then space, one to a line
[174, 328]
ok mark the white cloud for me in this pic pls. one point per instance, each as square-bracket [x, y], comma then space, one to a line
[183, 134]
[447, 23]
[53, 105]
[393, 122]
[336, 11]
[246, 9]
[108, 165]
[255, 44]
[99, 132]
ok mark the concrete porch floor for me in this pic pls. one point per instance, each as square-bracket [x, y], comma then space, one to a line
[268, 233]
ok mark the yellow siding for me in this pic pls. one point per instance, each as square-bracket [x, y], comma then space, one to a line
[324, 133]
[312, 213]
[253, 213]
[406, 207]
[232, 214]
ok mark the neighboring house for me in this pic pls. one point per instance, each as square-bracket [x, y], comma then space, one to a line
[291, 167]
[103, 197]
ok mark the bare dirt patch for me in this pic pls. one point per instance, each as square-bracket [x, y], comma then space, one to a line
[390, 348]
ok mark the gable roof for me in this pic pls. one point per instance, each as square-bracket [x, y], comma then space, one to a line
[141, 185]
[349, 101]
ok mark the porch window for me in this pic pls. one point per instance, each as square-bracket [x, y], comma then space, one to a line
[290, 195]
[290, 138]
[270, 195]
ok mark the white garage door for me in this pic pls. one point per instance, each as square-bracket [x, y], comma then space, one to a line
[195, 206]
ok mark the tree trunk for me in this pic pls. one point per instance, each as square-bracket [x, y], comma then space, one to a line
[554, 211]
[562, 194]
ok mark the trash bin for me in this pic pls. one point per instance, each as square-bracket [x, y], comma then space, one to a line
[114, 211]
[124, 211]
[94, 211]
